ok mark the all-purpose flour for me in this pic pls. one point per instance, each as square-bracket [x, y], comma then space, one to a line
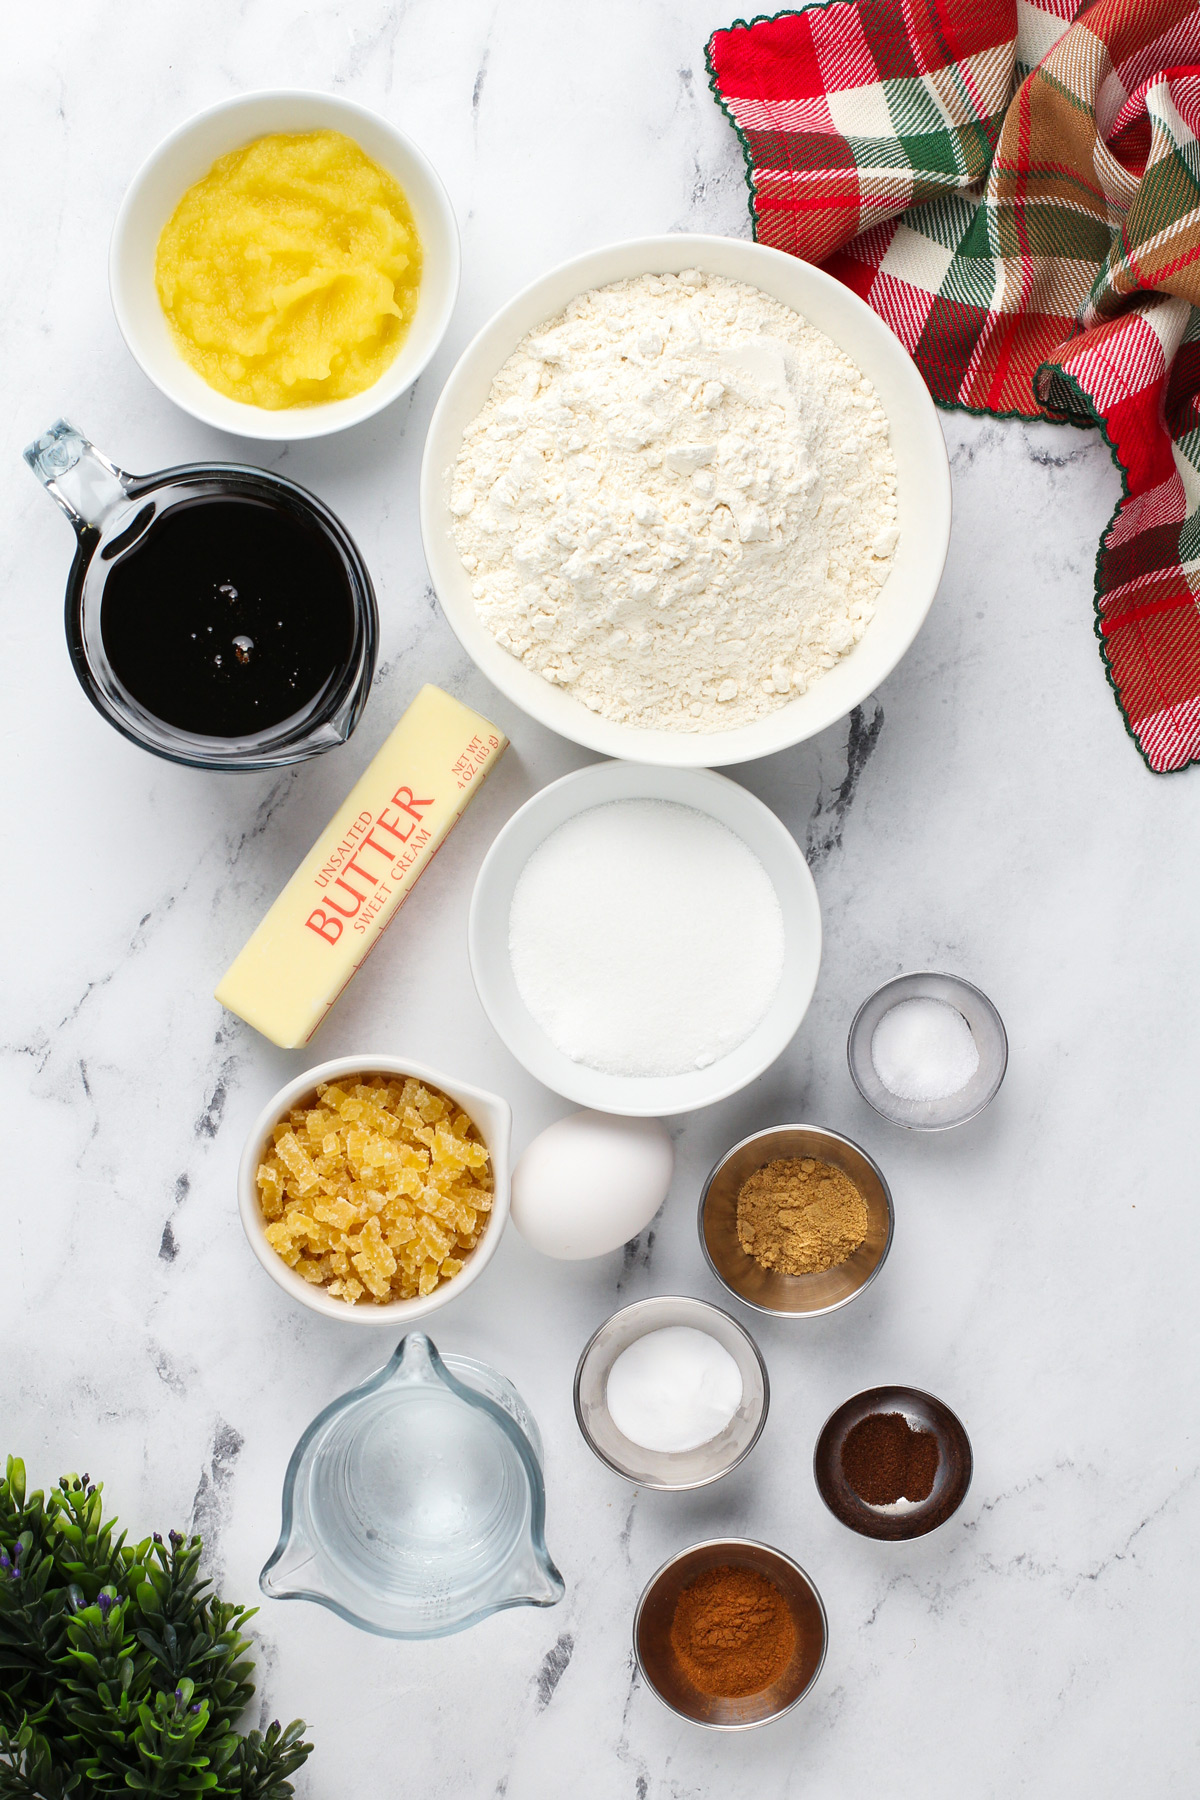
[679, 502]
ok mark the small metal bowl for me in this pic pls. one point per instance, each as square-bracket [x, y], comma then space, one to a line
[657, 1661]
[670, 1471]
[904, 1519]
[767, 1290]
[987, 1028]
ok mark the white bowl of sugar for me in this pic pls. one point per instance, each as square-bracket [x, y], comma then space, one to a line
[645, 940]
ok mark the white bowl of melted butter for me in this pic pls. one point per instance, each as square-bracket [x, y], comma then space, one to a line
[186, 157]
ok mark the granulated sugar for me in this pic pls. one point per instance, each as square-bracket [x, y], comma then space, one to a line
[646, 938]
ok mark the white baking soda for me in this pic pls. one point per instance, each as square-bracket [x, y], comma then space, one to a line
[673, 1389]
[646, 938]
[923, 1050]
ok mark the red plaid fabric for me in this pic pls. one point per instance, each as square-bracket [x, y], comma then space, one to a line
[1015, 189]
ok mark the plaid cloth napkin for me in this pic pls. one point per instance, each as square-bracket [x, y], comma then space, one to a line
[1015, 189]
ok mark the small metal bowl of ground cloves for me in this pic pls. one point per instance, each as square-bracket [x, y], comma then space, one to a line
[893, 1463]
[730, 1634]
[788, 1158]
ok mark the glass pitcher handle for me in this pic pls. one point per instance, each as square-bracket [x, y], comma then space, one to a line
[85, 484]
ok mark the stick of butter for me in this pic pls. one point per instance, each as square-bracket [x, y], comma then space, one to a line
[362, 868]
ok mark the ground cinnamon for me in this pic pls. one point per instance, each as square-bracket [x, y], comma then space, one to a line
[732, 1632]
[885, 1459]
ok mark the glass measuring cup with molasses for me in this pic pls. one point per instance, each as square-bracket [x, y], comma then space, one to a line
[216, 614]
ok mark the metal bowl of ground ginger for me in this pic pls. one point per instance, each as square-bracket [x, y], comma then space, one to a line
[796, 1221]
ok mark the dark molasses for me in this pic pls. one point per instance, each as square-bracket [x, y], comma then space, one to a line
[227, 615]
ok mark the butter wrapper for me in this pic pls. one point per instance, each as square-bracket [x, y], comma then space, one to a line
[361, 869]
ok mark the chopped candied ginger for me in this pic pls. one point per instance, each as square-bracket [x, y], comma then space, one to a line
[337, 1212]
[297, 1161]
[377, 1189]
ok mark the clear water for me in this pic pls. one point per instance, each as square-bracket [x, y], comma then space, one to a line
[419, 1497]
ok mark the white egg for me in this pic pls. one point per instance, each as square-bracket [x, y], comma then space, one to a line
[590, 1183]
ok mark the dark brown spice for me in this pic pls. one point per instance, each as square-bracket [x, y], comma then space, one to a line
[732, 1633]
[885, 1459]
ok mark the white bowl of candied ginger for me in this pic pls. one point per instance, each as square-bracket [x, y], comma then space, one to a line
[374, 1190]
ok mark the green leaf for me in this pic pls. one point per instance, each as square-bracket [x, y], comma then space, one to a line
[14, 1476]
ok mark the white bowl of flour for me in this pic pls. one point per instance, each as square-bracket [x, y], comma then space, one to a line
[685, 500]
[645, 940]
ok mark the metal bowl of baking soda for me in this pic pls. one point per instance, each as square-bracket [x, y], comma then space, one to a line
[674, 1470]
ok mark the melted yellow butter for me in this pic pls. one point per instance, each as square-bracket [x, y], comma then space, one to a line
[290, 273]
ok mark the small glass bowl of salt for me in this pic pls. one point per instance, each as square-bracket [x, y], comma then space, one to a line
[927, 1051]
[671, 1393]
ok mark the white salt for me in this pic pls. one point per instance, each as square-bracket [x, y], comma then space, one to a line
[673, 1389]
[646, 938]
[924, 1050]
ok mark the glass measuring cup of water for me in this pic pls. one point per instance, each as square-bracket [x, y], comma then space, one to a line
[152, 542]
[414, 1505]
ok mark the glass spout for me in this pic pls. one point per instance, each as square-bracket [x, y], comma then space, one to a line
[292, 1570]
[536, 1580]
[85, 484]
[415, 1363]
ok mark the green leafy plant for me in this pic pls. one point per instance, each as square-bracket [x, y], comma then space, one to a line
[120, 1671]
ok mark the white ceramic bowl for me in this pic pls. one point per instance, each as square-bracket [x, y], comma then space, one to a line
[922, 474]
[648, 1096]
[187, 155]
[491, 1115]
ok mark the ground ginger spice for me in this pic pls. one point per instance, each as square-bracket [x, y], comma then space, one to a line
[800, 1216]
[732, 1632]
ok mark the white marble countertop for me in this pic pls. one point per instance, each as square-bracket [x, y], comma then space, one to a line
[985, 813]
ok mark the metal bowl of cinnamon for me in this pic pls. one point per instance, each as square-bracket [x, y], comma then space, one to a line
[893, 1463]
[730, 1633]
[796, 1221]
